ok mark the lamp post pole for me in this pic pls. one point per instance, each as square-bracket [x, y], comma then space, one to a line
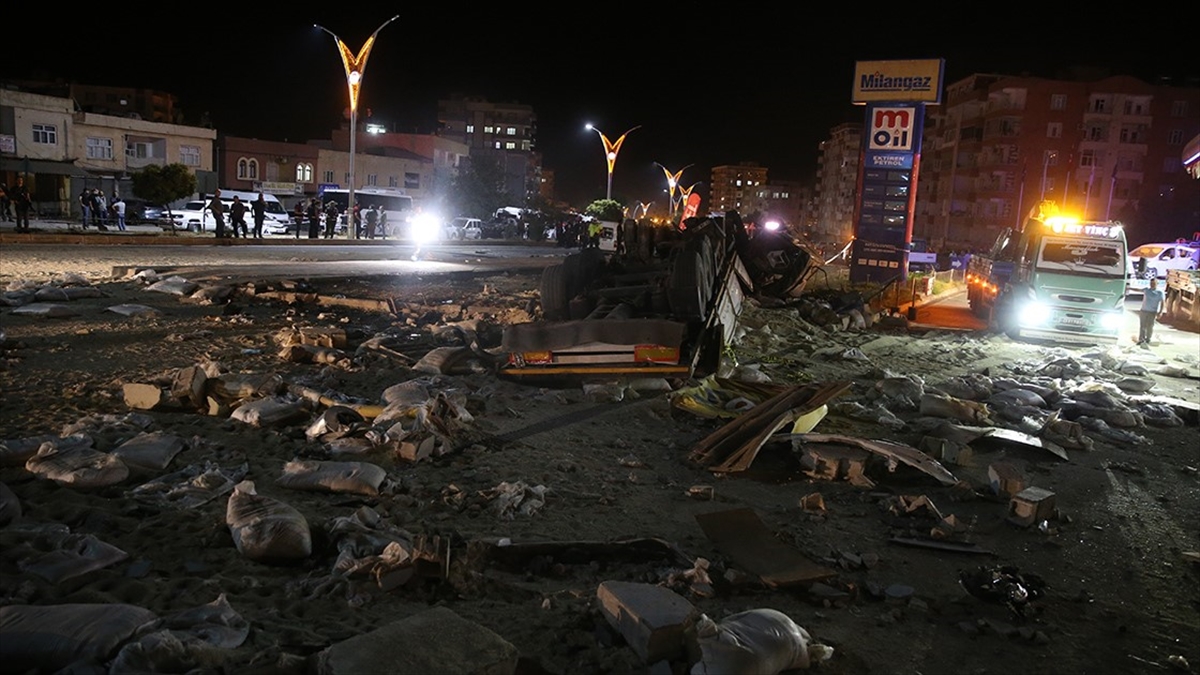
[672, 185]
[356, 66]
[610, 153]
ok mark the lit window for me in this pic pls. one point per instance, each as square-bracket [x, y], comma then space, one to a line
[497, 145]
[304, 172]
[510, 146]
[487, 129]
[512, 131]
[189, 155]
[45, 134]
[99, 148]
[470, 128]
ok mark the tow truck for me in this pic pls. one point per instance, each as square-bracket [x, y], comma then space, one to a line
[663, 302]
[1056, 278]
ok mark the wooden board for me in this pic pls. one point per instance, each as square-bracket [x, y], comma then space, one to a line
[741, 535]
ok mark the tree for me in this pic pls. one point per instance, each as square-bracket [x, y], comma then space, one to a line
[164, 184]
[478, 189]
[606, 209]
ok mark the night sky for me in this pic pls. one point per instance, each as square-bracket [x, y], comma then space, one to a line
[267, 73]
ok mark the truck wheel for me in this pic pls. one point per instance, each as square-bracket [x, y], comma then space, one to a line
[553, 290]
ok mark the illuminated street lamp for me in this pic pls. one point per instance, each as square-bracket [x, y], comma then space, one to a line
[644, 206]
[672, 184]
[356, 66]
[610, 153]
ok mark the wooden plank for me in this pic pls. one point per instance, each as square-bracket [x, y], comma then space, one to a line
[742, 536]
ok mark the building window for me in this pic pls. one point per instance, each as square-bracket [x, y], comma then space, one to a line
[393, 182]
[487, 129]
[189, 155]
[497, 145]
[1087, 158]
[346, 180]
[1058, 101]
[470, 128]
[247, 168]
[1179, 108]
[372, 179]
[46, 134]
[412, 180]
[1175, 137]
[511, 131]
[510, 146]
[1054, 130]
[99, 148]
[136, 150]
[304, 172]
[1099, 105]
[327, 177]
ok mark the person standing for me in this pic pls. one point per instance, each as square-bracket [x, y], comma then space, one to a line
[218, 212]
[5, 203]
[85, 204]
[118, 207]
[372, 220]
[237, 217]
[1152, 308]
[298, 216]
[94, 201]
[22, 202]
[331, 218]
[314, 218]
[258, 211]
[383, 224]
[102, 208]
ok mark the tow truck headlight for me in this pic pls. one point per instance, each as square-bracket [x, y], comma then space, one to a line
[425, 228]
[1034, 313]
[1112, 320]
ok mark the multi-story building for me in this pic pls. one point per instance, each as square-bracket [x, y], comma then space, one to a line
[60, 150]
[780, 200]
[837, 180]
[1103, 149]
[734, 187]
[502, 132]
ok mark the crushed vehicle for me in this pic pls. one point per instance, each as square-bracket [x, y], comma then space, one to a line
[664, 302]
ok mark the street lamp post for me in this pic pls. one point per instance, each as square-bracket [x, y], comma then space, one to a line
[356, 66]
[610, 153]
[672, 185]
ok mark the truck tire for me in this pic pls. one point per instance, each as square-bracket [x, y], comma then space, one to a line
[553, 290]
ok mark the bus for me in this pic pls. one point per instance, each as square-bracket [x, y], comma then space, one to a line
[397, 205]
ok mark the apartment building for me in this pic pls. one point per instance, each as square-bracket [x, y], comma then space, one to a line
[837, 180]
[502, 132]
[1109, 148]
[735, 187]
[61, 149]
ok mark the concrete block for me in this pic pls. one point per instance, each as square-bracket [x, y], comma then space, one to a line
[433, 641]
[1006, 479]
[1030, 506]
[333, 338]
[188, 387]
[651, 618]
[141, 396]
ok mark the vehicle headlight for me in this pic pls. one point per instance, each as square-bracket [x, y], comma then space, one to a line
[425, 227]
[1034, 313]
[1112, 320]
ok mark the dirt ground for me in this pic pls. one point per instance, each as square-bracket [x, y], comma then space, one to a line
[605, 490]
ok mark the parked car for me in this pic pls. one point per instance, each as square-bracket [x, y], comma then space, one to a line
[463, 228]
[1153, 261]
[141, 212]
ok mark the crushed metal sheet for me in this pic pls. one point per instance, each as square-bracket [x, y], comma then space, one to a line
[892, 451]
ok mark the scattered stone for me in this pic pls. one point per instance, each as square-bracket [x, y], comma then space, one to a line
[652, 619]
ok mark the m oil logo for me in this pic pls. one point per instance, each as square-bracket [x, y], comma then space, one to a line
[892, 128]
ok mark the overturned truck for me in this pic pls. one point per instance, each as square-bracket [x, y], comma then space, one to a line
[664, 303]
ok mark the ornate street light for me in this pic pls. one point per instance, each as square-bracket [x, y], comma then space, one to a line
[610, 153]
[356, 66]
[672, 184]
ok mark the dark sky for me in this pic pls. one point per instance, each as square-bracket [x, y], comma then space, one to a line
[785, 75]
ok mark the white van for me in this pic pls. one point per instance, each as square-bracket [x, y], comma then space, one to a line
[1180, 254]
[195, 216]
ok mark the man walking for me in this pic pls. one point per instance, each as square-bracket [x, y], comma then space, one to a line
[1152, 308]
[259, 212]
[19, 195]
[218, 211]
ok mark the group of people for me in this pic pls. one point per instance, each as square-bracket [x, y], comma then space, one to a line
[370, 223]
[237, 216]
[98, 210]
[17, 197]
